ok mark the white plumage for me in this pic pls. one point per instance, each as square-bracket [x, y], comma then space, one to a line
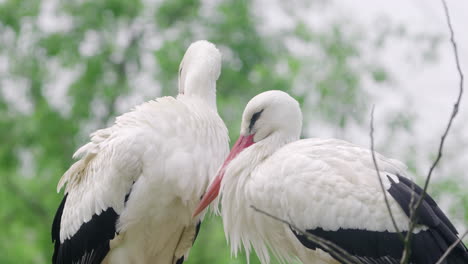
[327, 186]
[130, 196]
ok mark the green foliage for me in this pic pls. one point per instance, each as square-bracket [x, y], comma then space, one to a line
[170, 12]
[13, 11]
[50, 135]
[211, 247]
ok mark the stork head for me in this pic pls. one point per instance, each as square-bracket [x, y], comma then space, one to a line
[272, 113]
[200, 69]
[273, 118]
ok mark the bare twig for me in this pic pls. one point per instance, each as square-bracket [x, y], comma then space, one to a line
[455, 106]
[342, 255]
[378, 174]
[449, 249]
[407, 241]
[444, 135]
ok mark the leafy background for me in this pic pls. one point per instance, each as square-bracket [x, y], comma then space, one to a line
[68, 68]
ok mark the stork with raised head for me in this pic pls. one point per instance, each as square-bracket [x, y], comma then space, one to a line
[130, 196]
[328, 187]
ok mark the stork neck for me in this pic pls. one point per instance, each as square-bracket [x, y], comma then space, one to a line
[272, 143]
[258, 152]
[235, 210]
[200, 86]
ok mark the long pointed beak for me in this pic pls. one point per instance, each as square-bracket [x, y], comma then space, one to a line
[213, 191]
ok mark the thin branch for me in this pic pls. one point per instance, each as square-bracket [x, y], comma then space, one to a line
[449, 249]
[342, 255]
[376, 166]
[407, 241]
[455, 106]
[444, 135]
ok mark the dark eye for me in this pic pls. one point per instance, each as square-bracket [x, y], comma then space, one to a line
[254, 119]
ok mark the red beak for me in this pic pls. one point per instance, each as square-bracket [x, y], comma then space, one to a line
[213, 191]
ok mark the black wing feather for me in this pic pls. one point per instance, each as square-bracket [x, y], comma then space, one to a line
[442, 232]
[56, 229]
[428, 199]
[90, 244]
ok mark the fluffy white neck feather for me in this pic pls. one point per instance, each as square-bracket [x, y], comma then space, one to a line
[278, 123]
[244, 227]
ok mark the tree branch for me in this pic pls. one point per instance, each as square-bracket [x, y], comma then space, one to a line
[376, 166]
[342, 255]
[444, 135]
[455, 106]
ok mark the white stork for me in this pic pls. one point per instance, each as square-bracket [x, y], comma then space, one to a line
[328, 187]
[130, 197]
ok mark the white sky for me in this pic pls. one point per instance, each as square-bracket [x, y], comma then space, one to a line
[431, 88]
[425, 89]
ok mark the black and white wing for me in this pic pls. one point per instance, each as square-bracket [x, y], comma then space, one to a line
[427, 245]
[330, 188]
[97, 187]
